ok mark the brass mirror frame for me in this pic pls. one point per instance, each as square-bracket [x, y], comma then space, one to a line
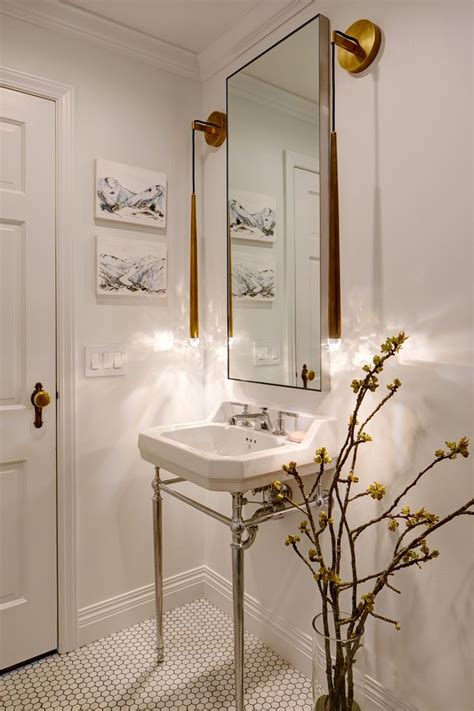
[324, 134]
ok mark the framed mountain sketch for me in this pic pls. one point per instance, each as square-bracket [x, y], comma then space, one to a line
[131, 267]
[252, 216]
[124, 193]
[253, 276]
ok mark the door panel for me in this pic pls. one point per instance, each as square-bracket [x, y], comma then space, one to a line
[12, 314]
[12, 150]
[28, 585]
[13, 525]
[307, 275]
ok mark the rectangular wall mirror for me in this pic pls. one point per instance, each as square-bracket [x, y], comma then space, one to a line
[278, 192]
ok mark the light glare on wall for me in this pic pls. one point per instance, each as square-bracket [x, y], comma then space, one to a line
[163, 341]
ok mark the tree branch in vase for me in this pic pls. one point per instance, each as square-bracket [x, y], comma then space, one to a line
[411, 531]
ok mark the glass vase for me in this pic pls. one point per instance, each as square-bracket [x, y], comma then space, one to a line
[353, 683]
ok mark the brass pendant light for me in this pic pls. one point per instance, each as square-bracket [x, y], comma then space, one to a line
[215, 133]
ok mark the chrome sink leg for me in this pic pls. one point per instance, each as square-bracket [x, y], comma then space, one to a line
[238, 528]
[158, 550]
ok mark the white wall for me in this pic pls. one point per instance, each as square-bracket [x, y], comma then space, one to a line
[406, 189]
[133, 113]
[405, 134]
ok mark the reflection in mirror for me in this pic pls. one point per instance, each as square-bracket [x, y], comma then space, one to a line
[277, 203]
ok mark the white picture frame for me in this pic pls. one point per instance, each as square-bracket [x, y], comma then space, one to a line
[131, 267]
[252, 216]
[127, 194]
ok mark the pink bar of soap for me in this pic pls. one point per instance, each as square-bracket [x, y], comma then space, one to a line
[296, 436]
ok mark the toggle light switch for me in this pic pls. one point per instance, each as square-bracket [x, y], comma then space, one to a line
[96, 361]
[110, 359]
[107, 360]
[267, 352]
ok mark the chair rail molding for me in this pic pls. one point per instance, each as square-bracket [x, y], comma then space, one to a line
[63, 96]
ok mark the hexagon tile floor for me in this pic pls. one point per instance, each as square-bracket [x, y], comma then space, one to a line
[119, 672]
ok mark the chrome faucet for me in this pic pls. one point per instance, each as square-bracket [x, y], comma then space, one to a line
[260, 419]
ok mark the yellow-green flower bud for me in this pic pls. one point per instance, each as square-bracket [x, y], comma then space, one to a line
[377, 491]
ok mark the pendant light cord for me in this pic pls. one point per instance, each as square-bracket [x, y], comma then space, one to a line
[193, 165]
[333, 88]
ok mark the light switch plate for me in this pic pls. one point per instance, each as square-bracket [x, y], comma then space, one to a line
[267, 351]
[105, 360]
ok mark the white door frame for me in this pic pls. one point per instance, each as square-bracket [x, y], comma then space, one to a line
[292, 160]
[62, 95]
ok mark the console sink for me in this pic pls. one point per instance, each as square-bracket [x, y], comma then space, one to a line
[223, 457]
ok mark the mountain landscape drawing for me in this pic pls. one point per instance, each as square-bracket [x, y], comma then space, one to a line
[128, 194]
[122, 269]
[118, 200]
[253, 281]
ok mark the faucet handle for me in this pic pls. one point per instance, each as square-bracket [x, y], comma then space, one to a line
[266, 421]
[280, 423]
[241, 404]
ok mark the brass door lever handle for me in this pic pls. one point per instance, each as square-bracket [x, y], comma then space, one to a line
[39, 398]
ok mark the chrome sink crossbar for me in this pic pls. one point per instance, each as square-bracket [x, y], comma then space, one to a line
[195, 504]
[243, 532]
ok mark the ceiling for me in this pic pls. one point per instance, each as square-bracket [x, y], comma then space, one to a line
[190, 24]
[283, 65]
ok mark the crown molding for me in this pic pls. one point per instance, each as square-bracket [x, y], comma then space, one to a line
[55, 15]
[275, 98]
[251, 31]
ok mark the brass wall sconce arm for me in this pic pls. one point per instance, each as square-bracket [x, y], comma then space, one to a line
[214, 129]
[350, 44]
[358, 45]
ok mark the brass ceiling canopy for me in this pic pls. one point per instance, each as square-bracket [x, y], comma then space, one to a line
[358, 45]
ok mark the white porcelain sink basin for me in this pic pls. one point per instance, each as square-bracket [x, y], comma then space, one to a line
[223, 457]
[224, 440]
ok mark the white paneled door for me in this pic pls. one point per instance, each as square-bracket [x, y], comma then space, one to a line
[307, 275]
[28, 579]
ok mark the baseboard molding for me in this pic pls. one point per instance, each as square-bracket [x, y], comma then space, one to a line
[117, 613]
[114, 614]
[291, 644]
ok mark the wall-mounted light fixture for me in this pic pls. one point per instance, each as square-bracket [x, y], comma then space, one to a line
[215, 133]
[358, 47]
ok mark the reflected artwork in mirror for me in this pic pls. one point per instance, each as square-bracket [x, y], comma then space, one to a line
[277, 196]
